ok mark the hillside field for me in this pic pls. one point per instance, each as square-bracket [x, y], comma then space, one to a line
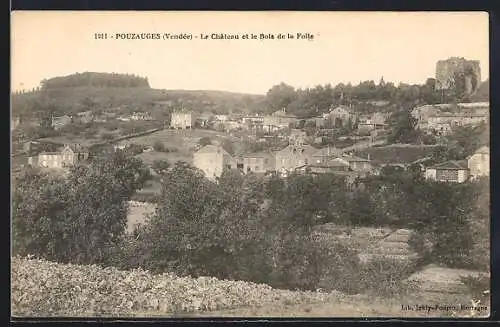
[396, 153]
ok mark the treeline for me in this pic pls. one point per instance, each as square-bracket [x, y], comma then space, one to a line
[246, 227]
[365, 97]
[95, 80]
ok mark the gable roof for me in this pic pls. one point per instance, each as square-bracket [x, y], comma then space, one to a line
[483, 150]
[451, 165]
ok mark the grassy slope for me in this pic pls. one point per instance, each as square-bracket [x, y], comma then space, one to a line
[396, 154]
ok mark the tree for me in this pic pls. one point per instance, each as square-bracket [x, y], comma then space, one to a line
[403, 128]
[280, 96]
[75, 219]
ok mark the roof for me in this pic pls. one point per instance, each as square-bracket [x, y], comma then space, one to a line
[326, 152]
[483, 150]
[329, 164]
[452, 164]
[282, 113]
[211, 149]
[258, 155]
[354, 159]
[308, 149]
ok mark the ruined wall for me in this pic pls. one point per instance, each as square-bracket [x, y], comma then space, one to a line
[445, 70]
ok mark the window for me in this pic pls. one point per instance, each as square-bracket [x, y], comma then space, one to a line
[266, 161]
[305, 161]
[256, 168]
[248, 169]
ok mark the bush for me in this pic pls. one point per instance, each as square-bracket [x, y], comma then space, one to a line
[478, 286]
[158, 146]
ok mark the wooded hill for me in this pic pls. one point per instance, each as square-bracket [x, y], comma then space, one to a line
[124, 94]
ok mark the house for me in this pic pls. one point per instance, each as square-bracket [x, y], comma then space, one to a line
[141, 116]
[61, 121]
[479, 163]
[84, 117]
[221, 117]
[294, 156]
[212, 160]
[261, 162]
[450, 171]
[255, 119]
[68, 156]
[355, 163]
[278, 120]
[232, 125]
[326, 154]
[14, 123]
[182, 119]
[340, 116]
[297, 135]
[456, 119]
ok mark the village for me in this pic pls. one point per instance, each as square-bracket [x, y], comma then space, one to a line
[393, 149]
[306, 150]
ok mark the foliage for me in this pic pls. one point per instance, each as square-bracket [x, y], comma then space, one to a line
[161, 166]
[46, 289]
[158, 146]
[74, 219]
[94, 79]
[204, 141]
[477, 285]
[402, 125]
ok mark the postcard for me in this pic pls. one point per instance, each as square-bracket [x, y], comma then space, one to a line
[250, 164]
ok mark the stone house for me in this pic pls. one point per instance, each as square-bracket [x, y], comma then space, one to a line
[182, 120]
[278, 120]
[212, 160]
[294, 156]
[14, 123]
[354, 163]
[340, 116]
[141, 116]
[61, 121]
[456, 119]
[450, 171]
[325, 155]
[261, 162]
[68, 156]
[479, 163]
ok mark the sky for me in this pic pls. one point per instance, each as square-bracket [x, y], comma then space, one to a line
[346, 47]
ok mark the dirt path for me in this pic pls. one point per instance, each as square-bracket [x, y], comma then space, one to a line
[353, 307]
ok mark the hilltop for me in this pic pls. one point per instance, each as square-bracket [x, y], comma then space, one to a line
[123, 93]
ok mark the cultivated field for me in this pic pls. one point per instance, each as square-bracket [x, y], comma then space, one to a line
[46, 289]
[396, 153]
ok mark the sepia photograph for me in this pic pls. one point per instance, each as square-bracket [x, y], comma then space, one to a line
[278, 164]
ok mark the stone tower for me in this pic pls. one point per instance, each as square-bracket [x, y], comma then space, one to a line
[446, 69]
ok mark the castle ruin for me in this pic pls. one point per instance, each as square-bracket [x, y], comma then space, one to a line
[446, 70]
